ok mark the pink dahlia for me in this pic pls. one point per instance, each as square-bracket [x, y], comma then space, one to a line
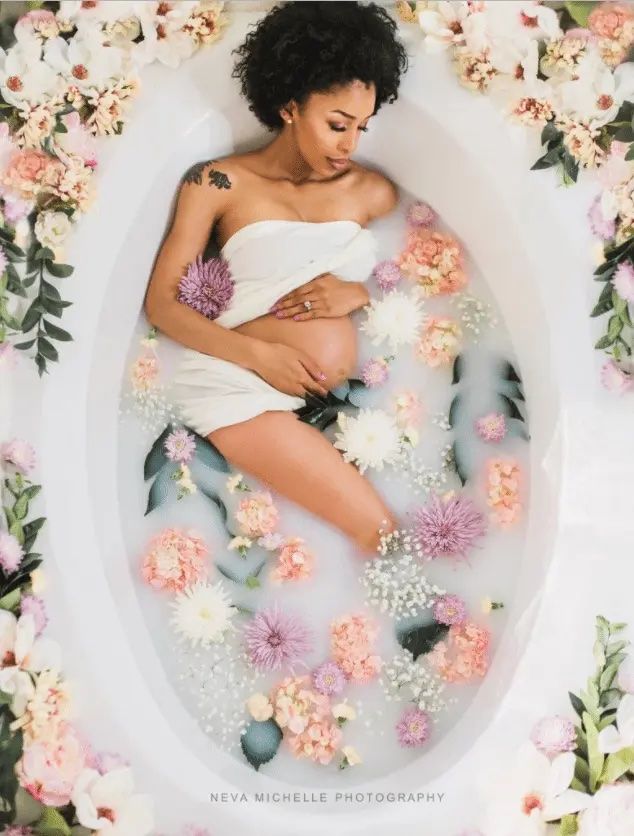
[11, 552]
[421, 214]
[413, 728]
[614, 378]
[387, 274]
[601, 226]
[375, 372]
[180, 446]
[448, 526]
[275, 639]
[329, 679]
[35, 605]
[20, 454]
[553, 735]
[623, 281]
[491, 427]
[207, 286]
[449, 609]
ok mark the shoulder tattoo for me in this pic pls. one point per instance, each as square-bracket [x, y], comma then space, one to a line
[194, 174]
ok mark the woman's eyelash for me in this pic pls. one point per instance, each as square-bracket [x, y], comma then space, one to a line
[335, 128]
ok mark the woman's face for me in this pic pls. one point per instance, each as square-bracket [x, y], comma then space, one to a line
[328, 126]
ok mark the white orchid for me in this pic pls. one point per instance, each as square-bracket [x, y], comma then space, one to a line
[22, 654]
[106, 804]
[24, 76]
[598, 93]
[519, 22]
[163, 37]
[516, 85]
[613, 738]
[86, 61]
[534, 792]
[611, 812]
[449, 24]
[100, 12]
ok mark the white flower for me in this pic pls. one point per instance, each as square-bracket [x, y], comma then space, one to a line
[240, 542]
[52, 228]
[260, 707]
[610, 813]
[38, 581]
[447, 25]
[233, 482]
[625, 676]
[614, 738]
[598, 93]
[85, 14]
[371, 439]
[516, 22]
[271, 540]
[533, 792]
[343, 711]
[86, 61]
[396, 318]
[351, 755]
[106, 805]
[163, 37]
[202, 613]
[184, 481]
[24, 77]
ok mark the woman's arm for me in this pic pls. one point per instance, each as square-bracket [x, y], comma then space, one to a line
[202, 199]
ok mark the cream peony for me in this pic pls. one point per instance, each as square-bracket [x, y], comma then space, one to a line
[202, 613]
[371, 439]
[52, 228]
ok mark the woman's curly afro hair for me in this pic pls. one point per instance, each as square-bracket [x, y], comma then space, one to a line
[299, 48]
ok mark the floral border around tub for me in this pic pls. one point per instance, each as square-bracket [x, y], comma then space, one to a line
[567, 70]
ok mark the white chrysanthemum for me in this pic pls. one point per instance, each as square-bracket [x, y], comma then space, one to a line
[370, 439]
[396, 318]
[203, 613]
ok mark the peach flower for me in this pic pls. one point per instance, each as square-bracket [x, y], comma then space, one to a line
[294, 561]
[27, 170]
[352, 642]
[175, 560]
[614, 21]
[48, 771]
[440, 341]
[257, 515]
[434, 261]
[144, 373]
[463, 655]
[503, 477]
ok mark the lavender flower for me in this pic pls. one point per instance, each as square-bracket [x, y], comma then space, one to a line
[449, 609]
[375, 372]
[601, 226]
[207, 286]
[623, 281]
[387, 274]
[448, 526]
[34, 605]
[275, 639]
[329, 679]
[11, 552]
[553, 735]
[180, 446]
[413, 727]
[421, 214]
[491, 427]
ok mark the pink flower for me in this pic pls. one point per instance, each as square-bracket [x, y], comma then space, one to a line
[616, 169]
[11, 552]
[20, 454]
[434, 261]
[175, 560]
[601, 226]
[18, 830]
[614, 378]
[463, 655]
[449, 609]
[387, 275]
[26, 171]
[623, 281]
[144, 372]
[295, 562]
[352, 643]
[613, 21]
[448, 526]
[413, 728]
[48, 771]
[275, 639]
[491, 427]
[375, 372]
[77, 140]
[34, 605]
[329, 679]
[319, 741]
[180, 446]
[408, 409]
[207, 286]
[8, 355]
[440, 341]
[503, 490]
[421, 214]
[553, 735]
[257, 515]
[105, 762]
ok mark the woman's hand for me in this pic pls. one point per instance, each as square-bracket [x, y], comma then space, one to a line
[328, 295]
[288, 369]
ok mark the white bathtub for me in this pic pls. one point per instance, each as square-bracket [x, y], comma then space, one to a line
[530, 239]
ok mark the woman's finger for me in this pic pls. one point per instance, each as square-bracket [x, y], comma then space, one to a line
[296, 310]
[314, 313]
[293, 298]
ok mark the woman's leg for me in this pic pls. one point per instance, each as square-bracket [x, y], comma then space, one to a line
[297, 461]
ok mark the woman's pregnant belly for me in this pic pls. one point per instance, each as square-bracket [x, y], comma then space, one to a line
[331, 342]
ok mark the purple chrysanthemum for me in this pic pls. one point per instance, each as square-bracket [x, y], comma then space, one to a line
[553, 735]
[491, 427]
[601, 226]
[623, 281]
[413, 727]
[11, 552]
[180, 446]
[35, 605]
[329, 679]
[387, 274]
[207, 286]
[421, 214]
[450, 609]
[375, 372]
[275, 639]
[448, 526]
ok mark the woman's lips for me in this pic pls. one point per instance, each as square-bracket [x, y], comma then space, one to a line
[340, 163]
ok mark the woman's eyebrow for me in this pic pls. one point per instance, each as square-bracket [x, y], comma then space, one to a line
[349, 115]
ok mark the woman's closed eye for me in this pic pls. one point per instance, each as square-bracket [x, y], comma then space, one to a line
[340, 128]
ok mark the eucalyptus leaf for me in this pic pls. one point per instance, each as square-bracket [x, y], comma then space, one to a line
[60, 271]
[161, 487]
[457, 372]
[156, 458]
[422, 638]
[260, 742]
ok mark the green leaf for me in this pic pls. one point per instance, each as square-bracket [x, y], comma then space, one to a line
[457, 369]
[252, 582]
[55, 332]
[568, 825]
[421, 638]
[47, 349]
[580, 11]
[60, 271]
[461, 469]
[582, 772]
[209, 455]
[595, 757]
[605, 302]
[617, 764]
[604, 342]
[608, 675]
[161, 487]
[31, 317]
[511, 409]
[156, 458]
[52, 823]
[10, 601]
[453, 409]
[260, 742]
[30, 531]
[21, 507]
[630, 153]
[576, 704]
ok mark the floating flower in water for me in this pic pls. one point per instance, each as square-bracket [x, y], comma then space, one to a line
[369, 439]
[207, 286]
[275, 639]
[236, 483]
[295, 561]
[271, 541]
[180, 446]
[350, 757]
[395, 319]
[144, 373]
[434, 261]
[20, 454]
[329, 679]
[614, 21]
[449, 609]
[488, 605]
[375, 371]
[257, 515]
[421, 214]
[34, 605]
[623, 281]
[240, 544]
[342, 712]
[11, 552]
[601, 226]
[448, 526]
[503, 490]
[352, 643]
[440, 341]
[183, 479]
[387, 275]
[413, 728]
[260, 707]
[463, 655]
[491, 427]
[553, 735]
[614, 378]
[175, 560]
[203, 613]
[49, 770]
[408, 409]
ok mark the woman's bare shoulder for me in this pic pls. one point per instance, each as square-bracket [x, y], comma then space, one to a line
[378, 193]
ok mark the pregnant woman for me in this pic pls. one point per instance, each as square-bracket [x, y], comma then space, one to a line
[290, 219]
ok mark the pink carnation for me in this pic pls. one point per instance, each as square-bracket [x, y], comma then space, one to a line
[421, 214]
[614, 378]
[257, 515]
[20, 454]
[27, 170]
[613, 21]
[295, 561]
[144, 373]
[180, 446]
[440, 341]
[491, 427]
[623, 281]
[463, 655]
[306, 719]
[601, 226]
[48, 771]
[11, 552]
[175, 560]
[207, 286]
[553, 735]
[35, 606]
[319, 741]
[352, 643]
